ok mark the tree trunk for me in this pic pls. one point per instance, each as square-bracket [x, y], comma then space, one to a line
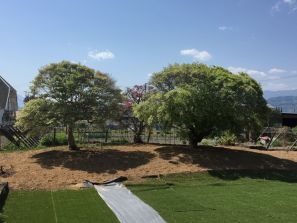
[137, 138]
[71, 141]
[54, 136]
[139, 128]
[149, 135]
[193, 142]
[194, 139]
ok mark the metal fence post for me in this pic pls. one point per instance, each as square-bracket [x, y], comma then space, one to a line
[106, 136]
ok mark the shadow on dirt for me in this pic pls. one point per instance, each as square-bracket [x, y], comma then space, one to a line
[232, 164]
[92, 161]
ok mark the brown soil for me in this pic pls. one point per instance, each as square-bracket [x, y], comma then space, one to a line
[59, 168]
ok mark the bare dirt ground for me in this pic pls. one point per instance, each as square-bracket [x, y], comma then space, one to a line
[59, 168]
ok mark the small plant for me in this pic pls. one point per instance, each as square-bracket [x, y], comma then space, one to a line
[49, 140]
[227, 138]
[208, 142]
[277, 143]
[294, 130]
[11, 147]
[119, 141]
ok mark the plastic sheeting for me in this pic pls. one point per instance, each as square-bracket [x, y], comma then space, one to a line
[127, 207]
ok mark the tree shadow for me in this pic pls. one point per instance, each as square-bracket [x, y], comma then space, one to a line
[289, 176]
[92, 161]
[232, 164]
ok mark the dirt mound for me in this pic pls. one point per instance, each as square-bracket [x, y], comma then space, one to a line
[58, 168]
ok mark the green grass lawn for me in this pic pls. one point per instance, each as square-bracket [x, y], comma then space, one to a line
[60, 206]
[228, 196]
[215, 196]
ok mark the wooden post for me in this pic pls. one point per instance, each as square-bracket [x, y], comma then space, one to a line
[106, 136]
[54, 136]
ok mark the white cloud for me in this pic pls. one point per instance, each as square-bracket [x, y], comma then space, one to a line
[225, 28]
[84, 62]
[237, 70]
[290, 2]
[196, 54]
[256, 73]
[276, 7]
[101, 55]
[253, 73]
[290, 5]
[270, 79]
[275, 86]
[276, 71]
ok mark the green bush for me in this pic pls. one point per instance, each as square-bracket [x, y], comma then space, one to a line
[228, 139]
[209, 142]
[277, 143]
[119, 141]
[48, 139]
[11, 147]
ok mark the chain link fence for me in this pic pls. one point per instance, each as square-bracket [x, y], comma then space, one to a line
[118, 136]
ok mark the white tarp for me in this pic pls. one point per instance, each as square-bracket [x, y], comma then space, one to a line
[127, 207]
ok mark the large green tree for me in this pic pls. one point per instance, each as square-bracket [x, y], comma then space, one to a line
[199, 100]
[73, 92]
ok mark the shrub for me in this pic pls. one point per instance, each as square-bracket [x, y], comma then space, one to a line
[48, 139]
[294, 130]
[10, 147]
[119, 141]
[209, 142]
[277, 143]
[227, 138]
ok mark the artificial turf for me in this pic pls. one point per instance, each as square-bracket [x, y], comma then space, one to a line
[223, 196]
[215, 196]
[83, 206]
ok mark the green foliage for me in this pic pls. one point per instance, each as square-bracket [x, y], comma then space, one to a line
[49, 140]
[79, 93]
[36, 118]
[209, 142]
[228, 139]
[274, 118]
[198, 100]
[71, 92]
[10, 147]
[119, 141]
[285, 139]
[294, 130]
[277, 143]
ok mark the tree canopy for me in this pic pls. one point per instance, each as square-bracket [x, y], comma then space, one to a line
[132, 97]
[73, 92]
[198, 99]
[37, 117]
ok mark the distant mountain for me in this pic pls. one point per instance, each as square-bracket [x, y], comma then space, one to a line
[285, 103]
[272, 94]
[20, 101]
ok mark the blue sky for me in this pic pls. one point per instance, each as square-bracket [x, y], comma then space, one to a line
[133, 38]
